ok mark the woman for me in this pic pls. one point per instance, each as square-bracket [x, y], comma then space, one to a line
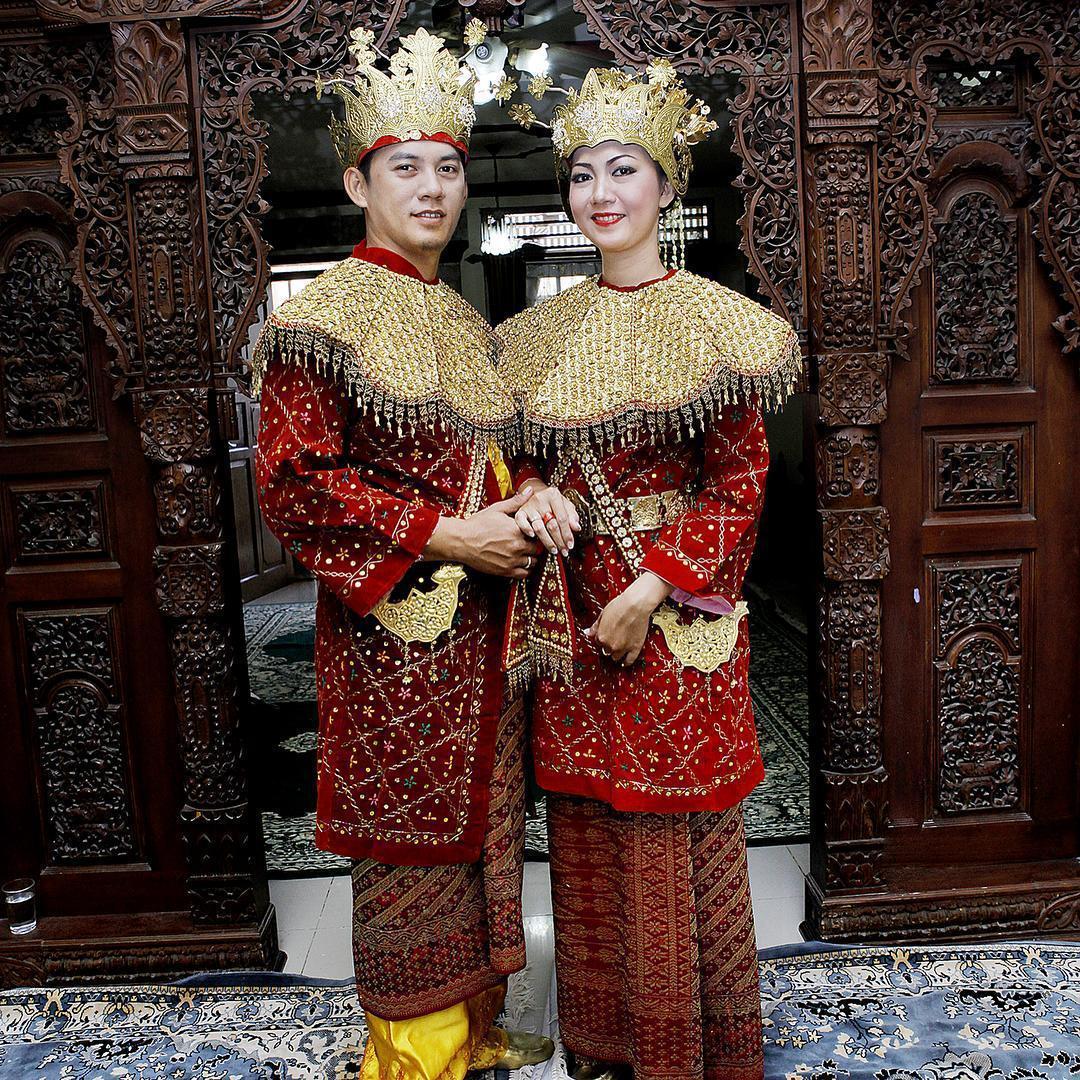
[641, 391]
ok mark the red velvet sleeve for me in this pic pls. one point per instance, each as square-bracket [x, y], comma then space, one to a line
[357, 539]
[524, 470]
[693, 552]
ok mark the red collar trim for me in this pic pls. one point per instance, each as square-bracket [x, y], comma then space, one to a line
[642, 285]
[391, 260]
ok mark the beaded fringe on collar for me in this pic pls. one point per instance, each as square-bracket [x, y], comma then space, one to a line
[414, 354]
[603, 364]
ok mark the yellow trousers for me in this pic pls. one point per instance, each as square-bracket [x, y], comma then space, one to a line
[440, 1046]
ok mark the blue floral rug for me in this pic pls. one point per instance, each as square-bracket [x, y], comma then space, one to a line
[973, 1012]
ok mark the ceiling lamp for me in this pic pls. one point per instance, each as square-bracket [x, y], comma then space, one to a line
[488, 60]
[534, 61]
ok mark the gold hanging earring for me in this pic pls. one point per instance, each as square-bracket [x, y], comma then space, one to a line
[673, 231]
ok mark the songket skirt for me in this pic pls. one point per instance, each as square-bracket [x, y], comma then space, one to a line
[655, 956]
[427, 937]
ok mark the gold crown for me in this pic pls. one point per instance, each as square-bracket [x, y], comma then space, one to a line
[655, 113]
[426, 92]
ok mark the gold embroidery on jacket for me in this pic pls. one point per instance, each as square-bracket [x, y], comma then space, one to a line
[648, 362]
[412, 353]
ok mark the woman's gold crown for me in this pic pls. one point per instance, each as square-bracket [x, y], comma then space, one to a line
[426, 91]
[655, 112]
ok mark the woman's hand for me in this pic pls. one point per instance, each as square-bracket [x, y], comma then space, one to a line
[620, 631]
[550, 517]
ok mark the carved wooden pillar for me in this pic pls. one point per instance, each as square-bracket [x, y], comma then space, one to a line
[840, 92]
[175, 407]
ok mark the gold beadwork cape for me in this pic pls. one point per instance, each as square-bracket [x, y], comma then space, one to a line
[415, 354]
[609, 363]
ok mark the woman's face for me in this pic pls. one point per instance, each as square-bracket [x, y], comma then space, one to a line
[616, 195]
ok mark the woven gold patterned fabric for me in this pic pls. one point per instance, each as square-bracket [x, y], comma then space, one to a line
[609, 363]
[413, 353]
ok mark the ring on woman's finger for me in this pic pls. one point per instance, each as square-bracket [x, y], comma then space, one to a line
[528, 562]
[548, 516]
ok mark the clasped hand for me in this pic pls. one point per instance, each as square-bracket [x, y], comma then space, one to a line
[621, 629]
[489, 540]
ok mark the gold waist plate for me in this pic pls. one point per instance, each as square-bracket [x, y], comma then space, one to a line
[423, 616]
[644, 512]
[704, 643]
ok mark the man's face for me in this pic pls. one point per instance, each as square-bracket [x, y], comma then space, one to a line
[412, 197]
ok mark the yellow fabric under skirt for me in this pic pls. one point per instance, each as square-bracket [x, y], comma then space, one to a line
[440, 1046]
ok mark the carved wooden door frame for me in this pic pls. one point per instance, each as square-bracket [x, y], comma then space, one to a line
[164, 162]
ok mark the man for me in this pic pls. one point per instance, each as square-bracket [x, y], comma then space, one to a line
[381, 436]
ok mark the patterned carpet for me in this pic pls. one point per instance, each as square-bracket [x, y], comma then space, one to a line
[282, 677]
[975, 1012]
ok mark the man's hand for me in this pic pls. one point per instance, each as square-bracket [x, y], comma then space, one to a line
[550, 517]
[489, 540]
[620, 631]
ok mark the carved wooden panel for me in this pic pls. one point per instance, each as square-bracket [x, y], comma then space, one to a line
[850, 621]
[51, 522]
[756, 41]
[975, 293]
[842, 247]
[857, 810]
[165, 241]
[849, 468]
[852, 388]
[231, 65]
[973, 87]
[982, 470]
[979, 654]
[855, 544]
[46, 386]
[70, 660]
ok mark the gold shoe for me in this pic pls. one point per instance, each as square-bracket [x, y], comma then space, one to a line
[587, 1068]
[525, 1048]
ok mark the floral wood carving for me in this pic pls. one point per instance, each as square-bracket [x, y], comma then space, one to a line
[68, 11]
[46, 384]
[78, 715]
[59, 522]
[755, 42]
[853, 388]
[78, 71]
[849, 466]
[232, 65]
[978, 658]
[851, 655]
[976, 293]
[908, 37]
[855, 544]
[837, 35]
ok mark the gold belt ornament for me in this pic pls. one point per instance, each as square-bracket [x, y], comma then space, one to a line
[704, 643]
[643, 512]
[423, 616]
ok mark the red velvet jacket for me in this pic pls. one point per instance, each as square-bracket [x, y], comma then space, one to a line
[406, 731]
[660, 736]
[657, 736]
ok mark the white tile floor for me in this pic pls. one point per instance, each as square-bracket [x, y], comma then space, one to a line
[313, 913]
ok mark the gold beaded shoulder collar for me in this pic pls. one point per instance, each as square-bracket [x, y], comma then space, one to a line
[607, 363]
[415, 354]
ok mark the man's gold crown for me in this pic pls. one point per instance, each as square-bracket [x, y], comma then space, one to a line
[655, 113]
[426, 92]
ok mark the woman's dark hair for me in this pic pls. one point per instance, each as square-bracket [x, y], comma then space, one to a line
[365, 163]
